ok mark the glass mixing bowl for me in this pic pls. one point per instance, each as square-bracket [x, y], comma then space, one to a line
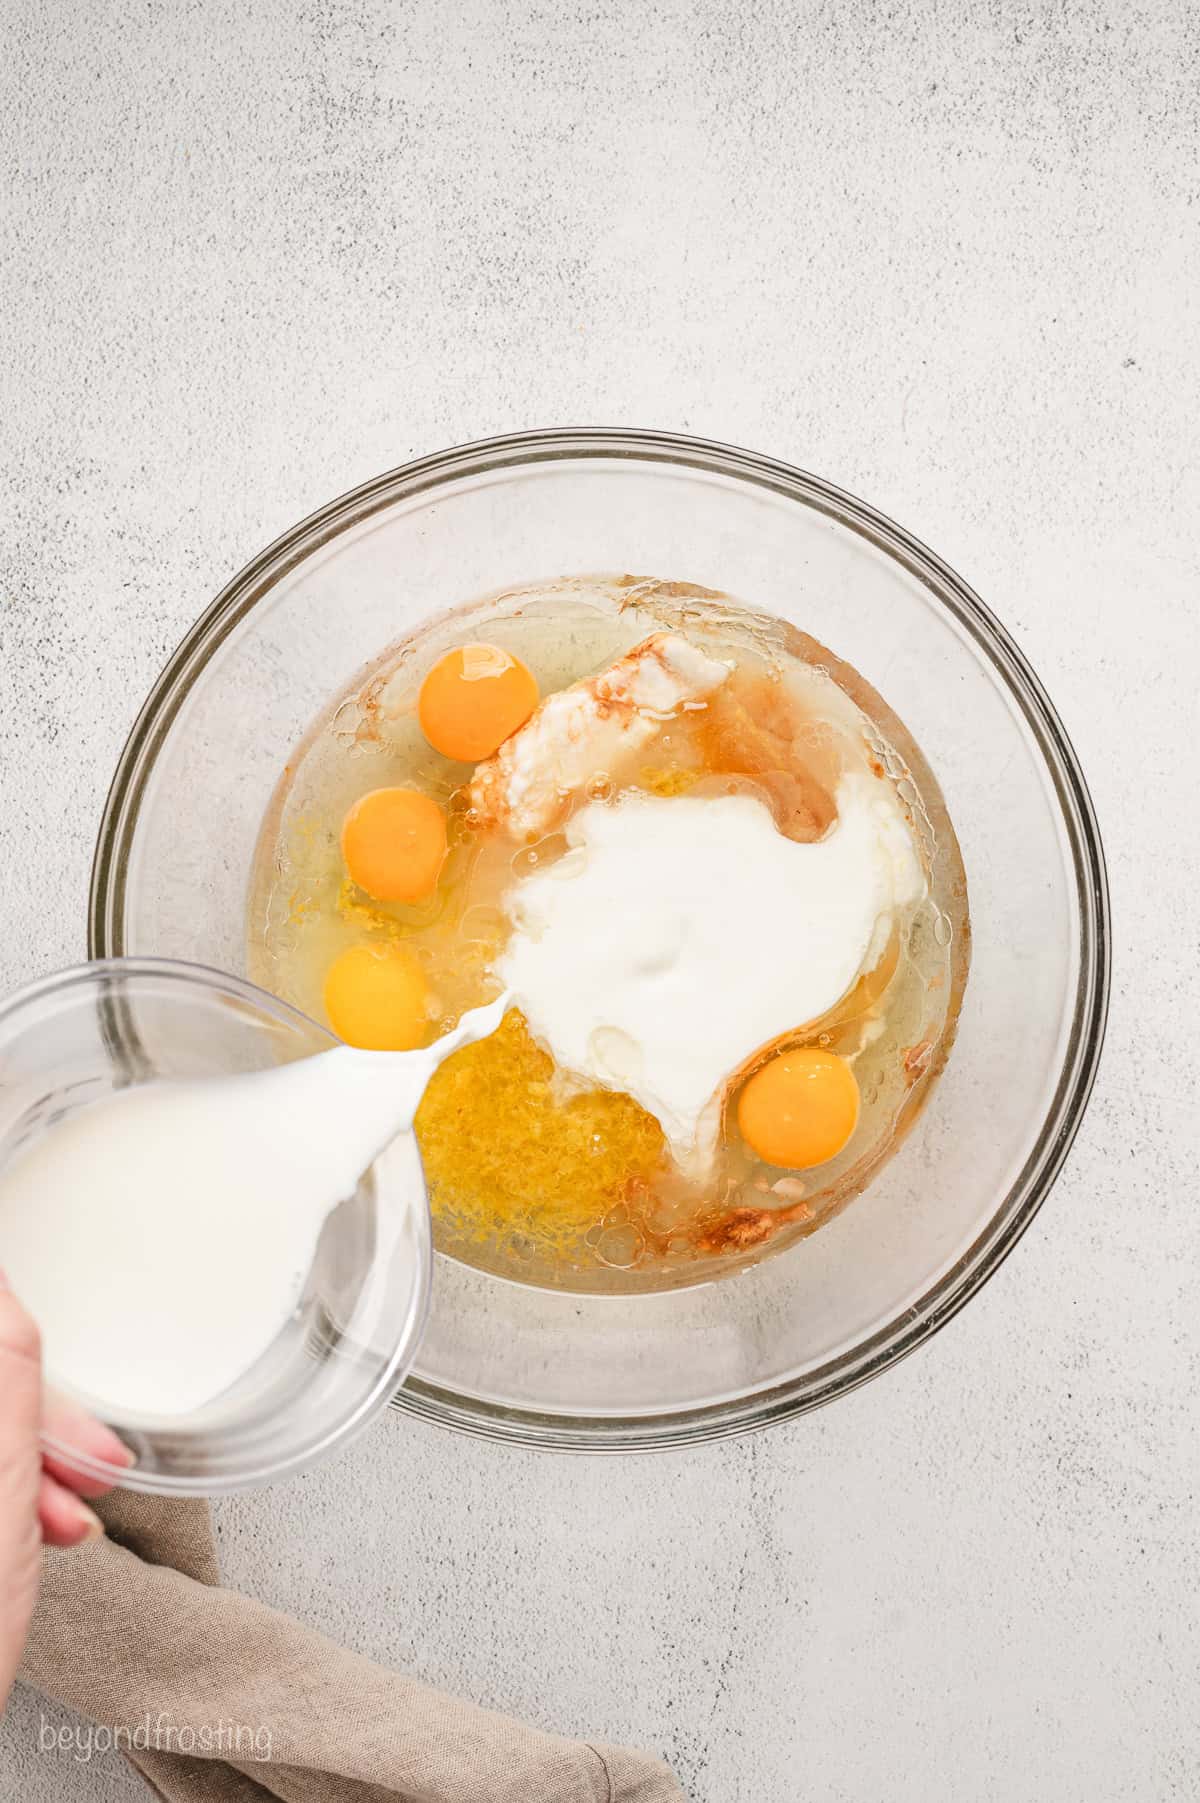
[81, 1034]
[610, 1372]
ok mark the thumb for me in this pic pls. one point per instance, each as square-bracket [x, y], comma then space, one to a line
[20, 1379]
[20, 1478]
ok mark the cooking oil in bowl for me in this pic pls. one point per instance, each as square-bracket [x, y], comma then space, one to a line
[714, 870]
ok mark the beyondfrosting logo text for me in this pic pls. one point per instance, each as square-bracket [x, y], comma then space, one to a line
[156, 1734]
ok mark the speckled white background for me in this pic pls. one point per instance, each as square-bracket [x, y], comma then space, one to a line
[949, 257]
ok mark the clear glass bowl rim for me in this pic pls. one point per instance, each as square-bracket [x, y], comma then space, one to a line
[1065, 1109]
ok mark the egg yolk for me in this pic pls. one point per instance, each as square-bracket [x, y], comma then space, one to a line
[473, 699]
[376, 997]
[394, 844]
[800, 1109]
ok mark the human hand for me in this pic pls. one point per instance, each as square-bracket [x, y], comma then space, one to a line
[40, 1499]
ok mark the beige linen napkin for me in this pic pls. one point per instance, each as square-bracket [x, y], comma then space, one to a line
[218, 1699]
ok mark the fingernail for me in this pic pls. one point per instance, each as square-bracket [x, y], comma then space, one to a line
[93, 1527]
[107, 1445]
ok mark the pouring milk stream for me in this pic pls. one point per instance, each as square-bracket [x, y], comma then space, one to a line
[162, 1237]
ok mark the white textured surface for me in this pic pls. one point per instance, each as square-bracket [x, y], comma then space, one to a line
[948, 257]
